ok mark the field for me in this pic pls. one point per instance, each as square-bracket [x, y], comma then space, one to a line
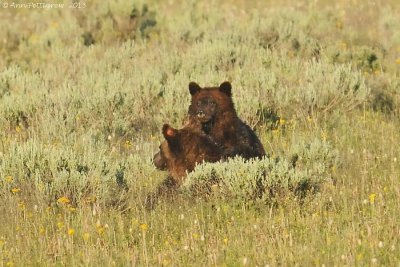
[86, 88]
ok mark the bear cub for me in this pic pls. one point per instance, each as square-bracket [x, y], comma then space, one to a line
[181, 151]
[212, 108]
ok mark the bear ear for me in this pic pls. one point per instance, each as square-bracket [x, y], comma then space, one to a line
[169, 132]
[194, 88]
[226, 88]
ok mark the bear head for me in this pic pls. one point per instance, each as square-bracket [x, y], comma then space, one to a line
[210, 102]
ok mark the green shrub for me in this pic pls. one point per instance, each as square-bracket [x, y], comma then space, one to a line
[79, 174]
[310, 167]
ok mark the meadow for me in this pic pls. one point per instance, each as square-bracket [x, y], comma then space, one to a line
[85, 89]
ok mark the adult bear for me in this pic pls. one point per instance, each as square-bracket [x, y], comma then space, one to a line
[212, 108]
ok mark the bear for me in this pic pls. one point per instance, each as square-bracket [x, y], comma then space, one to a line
[212, 108]
[183, 149]
[180, 152]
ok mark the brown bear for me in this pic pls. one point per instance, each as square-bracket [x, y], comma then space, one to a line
[181, 151]
[213, 108]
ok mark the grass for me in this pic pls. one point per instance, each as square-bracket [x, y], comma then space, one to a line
[84, 94]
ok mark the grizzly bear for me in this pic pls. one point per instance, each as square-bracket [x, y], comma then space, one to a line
[181, 151]
[213, 108]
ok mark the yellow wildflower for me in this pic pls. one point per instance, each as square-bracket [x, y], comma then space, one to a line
[398, 61]
[15, 190]
[21, 205]
[372, 198]
[60, 225]
[10, 263]
[100, 230]
[9, 179]
[71, 209]
[165, 262]
[42, 230]
[144, 227]
[71, 231]
[63, 200]
[128, 144]
[226, 240]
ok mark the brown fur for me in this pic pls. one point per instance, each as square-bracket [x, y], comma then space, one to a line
[183, 149]
[213, 108]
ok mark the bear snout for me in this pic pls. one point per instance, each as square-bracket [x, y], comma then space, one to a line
[159, 162]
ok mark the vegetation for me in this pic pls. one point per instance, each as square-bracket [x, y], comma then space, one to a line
[84, 92]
